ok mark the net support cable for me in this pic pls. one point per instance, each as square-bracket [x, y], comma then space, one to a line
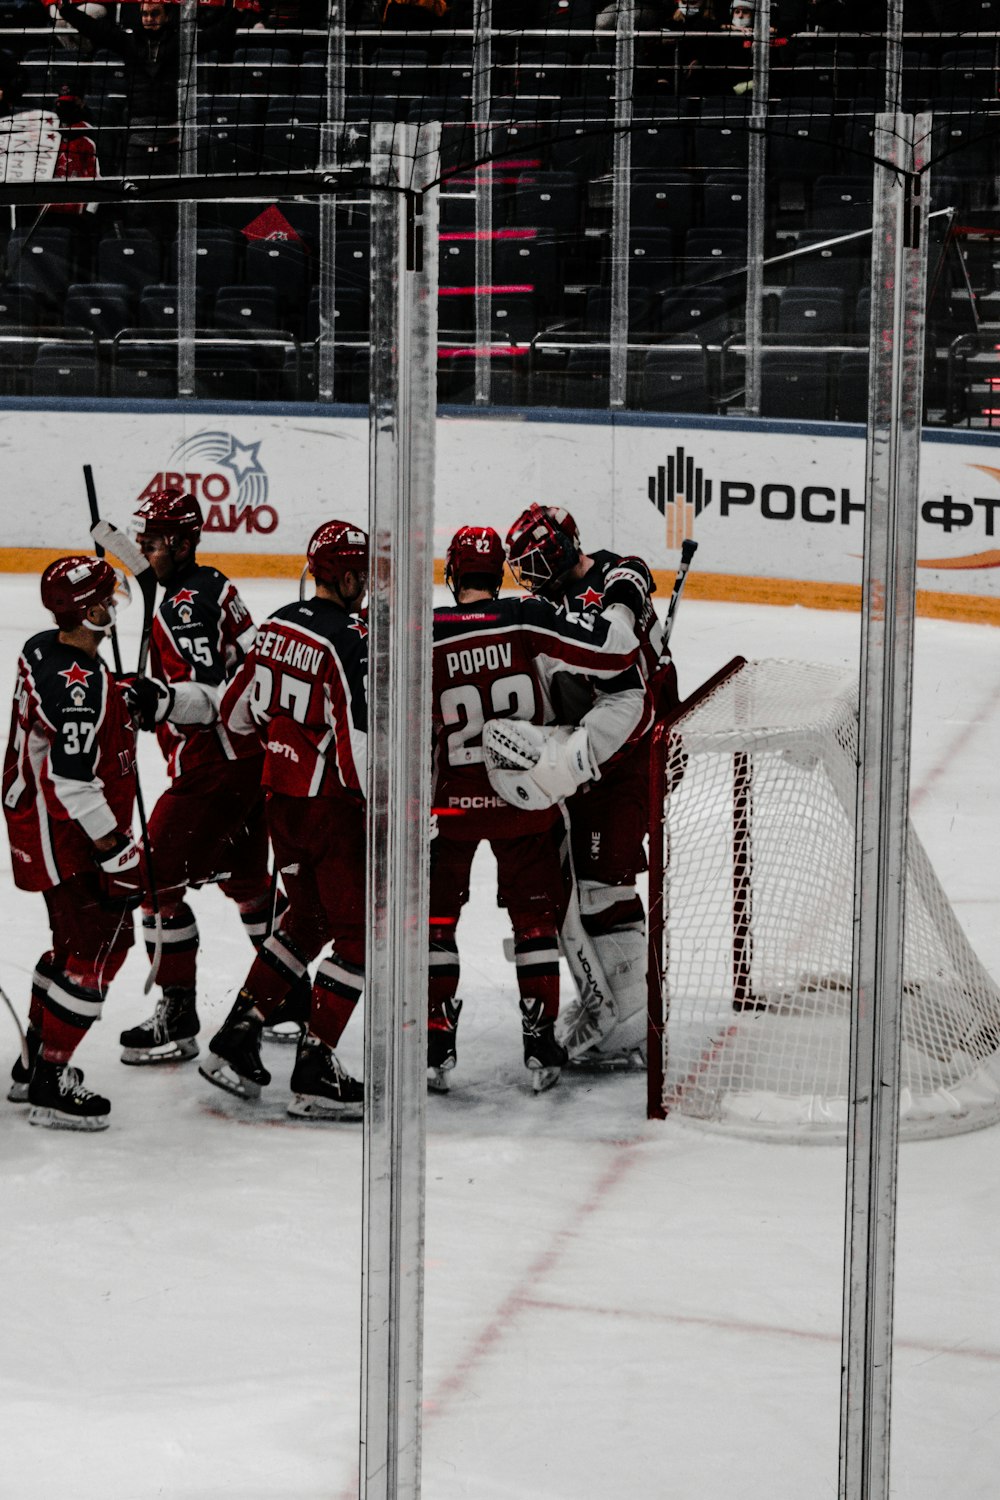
[331, 132]
[621, 205]
[187, 208]
[899, 274]
[482, 89]
[757, 206]
[401, 479]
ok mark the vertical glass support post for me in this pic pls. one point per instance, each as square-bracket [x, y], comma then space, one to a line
[621, 204]
[757, 205]
[896, 343]
[482, 87]
[401, 520]
[893, 56]
[187, 209]
[331, 135]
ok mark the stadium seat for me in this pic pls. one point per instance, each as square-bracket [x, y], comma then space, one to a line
[841, 203]
[350, 313]
[835, 265]
[652, 259]
[263, 70]
[695, 312]
[18, 305]
[43, 259]
[677, 380]
[663, 202]
[103, 307]
[548, 200]
[811, 312]
[724, 204]
[63, 369]
[133, 260]
[852, 387]
[249, 307]
[796, 386]
[713, 255]
[144, 371]
[283, 267]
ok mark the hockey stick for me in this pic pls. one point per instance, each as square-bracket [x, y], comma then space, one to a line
[102, 532]
[20, 1031]
[107, 537]
[688, 550]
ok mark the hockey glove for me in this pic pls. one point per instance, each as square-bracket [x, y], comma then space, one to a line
[121, 871]
[148, 700]
[533, 767]
[630, 583]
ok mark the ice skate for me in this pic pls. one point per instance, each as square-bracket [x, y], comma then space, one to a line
[543, 1055]
[169, 1034]
[19, 1074]
[441, 1052]
[233, 1061]
[322, 1088]
[59, 1100]
[288, 1023]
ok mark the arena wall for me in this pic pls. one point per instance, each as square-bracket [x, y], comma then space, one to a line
[777, 507]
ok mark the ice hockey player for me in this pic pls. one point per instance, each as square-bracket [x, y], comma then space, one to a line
[68, 791]
[304, 687]
[608, 819]
[498, 660]
[209, 824]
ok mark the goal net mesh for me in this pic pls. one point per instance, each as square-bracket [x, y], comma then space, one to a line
[758, 906]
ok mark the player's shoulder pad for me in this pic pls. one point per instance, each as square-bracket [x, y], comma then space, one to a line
[69, 683]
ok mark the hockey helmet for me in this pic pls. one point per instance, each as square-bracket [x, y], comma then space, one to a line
[474, 552]
[336, 548]
[542, 546]
[171, 514]
[70, 585]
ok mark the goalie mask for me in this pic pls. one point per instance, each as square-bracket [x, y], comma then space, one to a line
[71, 585]
[475, 559]
[543, 546]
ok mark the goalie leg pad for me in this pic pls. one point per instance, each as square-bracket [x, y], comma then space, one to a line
[621, 951]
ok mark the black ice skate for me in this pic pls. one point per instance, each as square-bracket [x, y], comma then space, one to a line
[441, 1053]
[59, 1100]
[234, 1061]
[323, 1090]
[288, 1023]
[19, 1074]
[543, 1055]
[169, 1034]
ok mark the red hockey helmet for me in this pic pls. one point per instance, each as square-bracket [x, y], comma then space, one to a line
[171, 514]
[542, 546]
[336, 548]
[70, 585]
[474, 552]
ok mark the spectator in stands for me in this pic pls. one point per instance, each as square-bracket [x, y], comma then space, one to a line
[67, 35]
[412, 15]
[11, 82]
[77, 152]
[152, 56]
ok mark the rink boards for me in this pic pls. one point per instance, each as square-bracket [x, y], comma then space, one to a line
[776, 507]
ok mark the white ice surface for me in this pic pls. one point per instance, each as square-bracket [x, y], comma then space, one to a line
[613, 1308]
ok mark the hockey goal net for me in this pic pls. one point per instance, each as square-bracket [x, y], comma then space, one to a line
[751, 920]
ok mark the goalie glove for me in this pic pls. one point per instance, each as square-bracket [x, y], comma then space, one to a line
[532, 767]
[630, 583]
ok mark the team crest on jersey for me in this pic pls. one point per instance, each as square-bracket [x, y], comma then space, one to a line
[589, 599]
[226, 475]
[77, 678]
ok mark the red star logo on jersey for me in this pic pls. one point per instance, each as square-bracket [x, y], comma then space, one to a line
[360, 626]
[183, 596]
[589, 598]
[76, 676]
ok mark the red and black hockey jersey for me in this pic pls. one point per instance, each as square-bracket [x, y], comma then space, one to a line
[585, 596]
[502, 659]
[201, 633]
[304, 688]
[69, 771]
